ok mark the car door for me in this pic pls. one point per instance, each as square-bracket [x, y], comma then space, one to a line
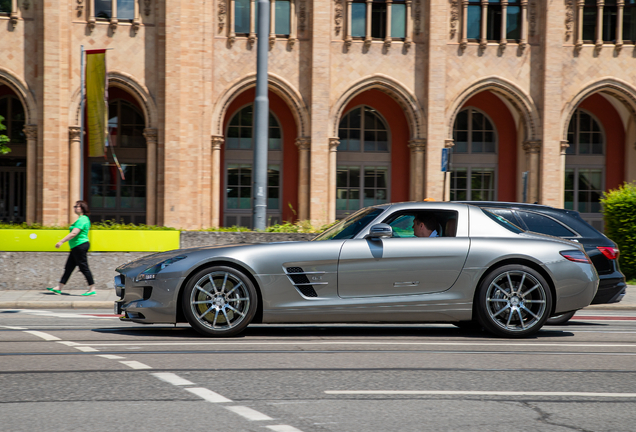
[403, 265]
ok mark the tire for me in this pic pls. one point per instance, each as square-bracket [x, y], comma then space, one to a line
[219, 301]
[560, 319]
[513, 301]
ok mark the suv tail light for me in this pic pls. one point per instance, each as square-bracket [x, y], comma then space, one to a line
[610, 253]
[576, 256]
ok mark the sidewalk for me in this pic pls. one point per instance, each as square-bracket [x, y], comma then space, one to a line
[104, 299]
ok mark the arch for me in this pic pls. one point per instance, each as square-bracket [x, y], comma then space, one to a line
[276, 84]
[621, 90]
[511, 92]
[407, 101]
[129, 84]
[21, 90]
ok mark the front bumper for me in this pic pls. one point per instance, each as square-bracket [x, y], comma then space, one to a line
[151, 302]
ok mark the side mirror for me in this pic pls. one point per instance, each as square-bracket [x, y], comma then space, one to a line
[378, 231]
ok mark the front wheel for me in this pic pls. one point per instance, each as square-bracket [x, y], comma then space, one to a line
[513, 301]
[219, 301]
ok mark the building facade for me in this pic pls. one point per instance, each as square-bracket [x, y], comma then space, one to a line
[536, 100]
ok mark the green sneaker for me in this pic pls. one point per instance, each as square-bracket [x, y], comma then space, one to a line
[87, 293]
[55, 290]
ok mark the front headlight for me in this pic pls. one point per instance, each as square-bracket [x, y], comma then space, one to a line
[151, 272]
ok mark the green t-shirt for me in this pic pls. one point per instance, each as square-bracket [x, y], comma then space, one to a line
[83, 224]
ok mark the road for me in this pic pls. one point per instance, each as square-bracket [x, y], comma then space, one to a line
[70, 370]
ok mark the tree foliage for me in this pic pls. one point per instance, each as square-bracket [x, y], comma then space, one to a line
[619, 211]
[4, 140]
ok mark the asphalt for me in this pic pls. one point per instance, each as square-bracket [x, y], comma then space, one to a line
[104, 299]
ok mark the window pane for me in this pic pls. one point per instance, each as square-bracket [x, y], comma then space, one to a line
[473, 22]
[513, 23]
[242, 16]
[378, 20]
[103, 9]
[398, 21]
[629, 24]
[125, 9]
[544, 225]
[493, 24]
[5, 6]
[282, 17]
[589, 23]
[358, 19]
[609, 22]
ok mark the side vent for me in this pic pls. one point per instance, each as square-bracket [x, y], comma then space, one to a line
[298, 278]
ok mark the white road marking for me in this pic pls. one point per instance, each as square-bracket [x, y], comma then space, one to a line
[283, 428]
[14, 328]
[135, 364]
[85, 349]
[110, 356]
[172, 378]
[68, 343]
[43, 335]
[478, 393]
[208, 395]
[248, 413]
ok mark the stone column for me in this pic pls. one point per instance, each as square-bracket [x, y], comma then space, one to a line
[293, 23]
[408, 39]
[367, 32]
[504, 26]
[619, 24]
[232, 22]
[524, 24]
[333, 171]
[387, 37]
[215, 187]
[579, 24]
[348, 38]
[599, 24]
[483, 42]
[31, 132]
[75, 167]
[272, 23]
[251, 38]
[418, 149]
[464, 38]
[533, 151]
[304, 145]
[151, 175]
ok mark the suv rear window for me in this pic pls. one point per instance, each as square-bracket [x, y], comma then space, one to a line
[544, 225]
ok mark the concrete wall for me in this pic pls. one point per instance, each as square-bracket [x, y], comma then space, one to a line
[38, 270]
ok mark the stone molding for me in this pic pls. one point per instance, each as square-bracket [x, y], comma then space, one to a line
[302, 15]
[569, 18]
[23, 92]
[417, 17]
[74, 133]
[31, 131]
[532, 147]
[449, 143]
[217, 142]
[222, 14]
[275, 83]
[621, 90]
[334, 142]
[454, 17]
[303, 143]
[532, 18]
[147, 7]
[417, 145]
[338, 15]
[399, 92]
[519, 98]
[564, 145]
[151, 135]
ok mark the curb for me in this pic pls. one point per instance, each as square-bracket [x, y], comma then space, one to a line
[57, 305]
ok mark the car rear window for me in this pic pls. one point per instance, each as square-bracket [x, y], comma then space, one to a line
[544, 225]
[502, 221]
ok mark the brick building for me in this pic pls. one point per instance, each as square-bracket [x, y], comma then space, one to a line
[364, 95]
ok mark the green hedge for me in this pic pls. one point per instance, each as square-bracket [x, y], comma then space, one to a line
[619, 211]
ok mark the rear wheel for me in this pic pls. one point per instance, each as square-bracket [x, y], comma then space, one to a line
[560, 319]
[513, 301]
[219, 301]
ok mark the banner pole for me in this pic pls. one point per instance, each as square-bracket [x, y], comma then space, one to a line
[82, 123]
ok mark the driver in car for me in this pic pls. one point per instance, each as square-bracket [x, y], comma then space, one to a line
[425, 225]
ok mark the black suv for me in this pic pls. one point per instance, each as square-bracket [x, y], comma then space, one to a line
[569, 225]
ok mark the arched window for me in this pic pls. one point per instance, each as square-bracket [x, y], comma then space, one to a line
[585, 167]
[111, 196]
[364, 160]
[239, 143]
[474, 159]
[13, 165]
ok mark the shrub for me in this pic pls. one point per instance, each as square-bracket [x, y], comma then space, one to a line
[619, 212]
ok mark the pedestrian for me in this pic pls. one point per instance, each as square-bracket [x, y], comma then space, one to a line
[78, 241]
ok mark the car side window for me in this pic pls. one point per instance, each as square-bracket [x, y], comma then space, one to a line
[403, 226]
[544, 225]
[507, 215]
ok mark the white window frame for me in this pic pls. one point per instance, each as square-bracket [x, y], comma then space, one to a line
[388, 40]
[503, 42]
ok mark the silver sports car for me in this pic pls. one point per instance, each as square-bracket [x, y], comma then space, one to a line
[473, 268]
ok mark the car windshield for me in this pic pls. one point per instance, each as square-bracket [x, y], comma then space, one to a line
[503, 222]
[351, 226]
